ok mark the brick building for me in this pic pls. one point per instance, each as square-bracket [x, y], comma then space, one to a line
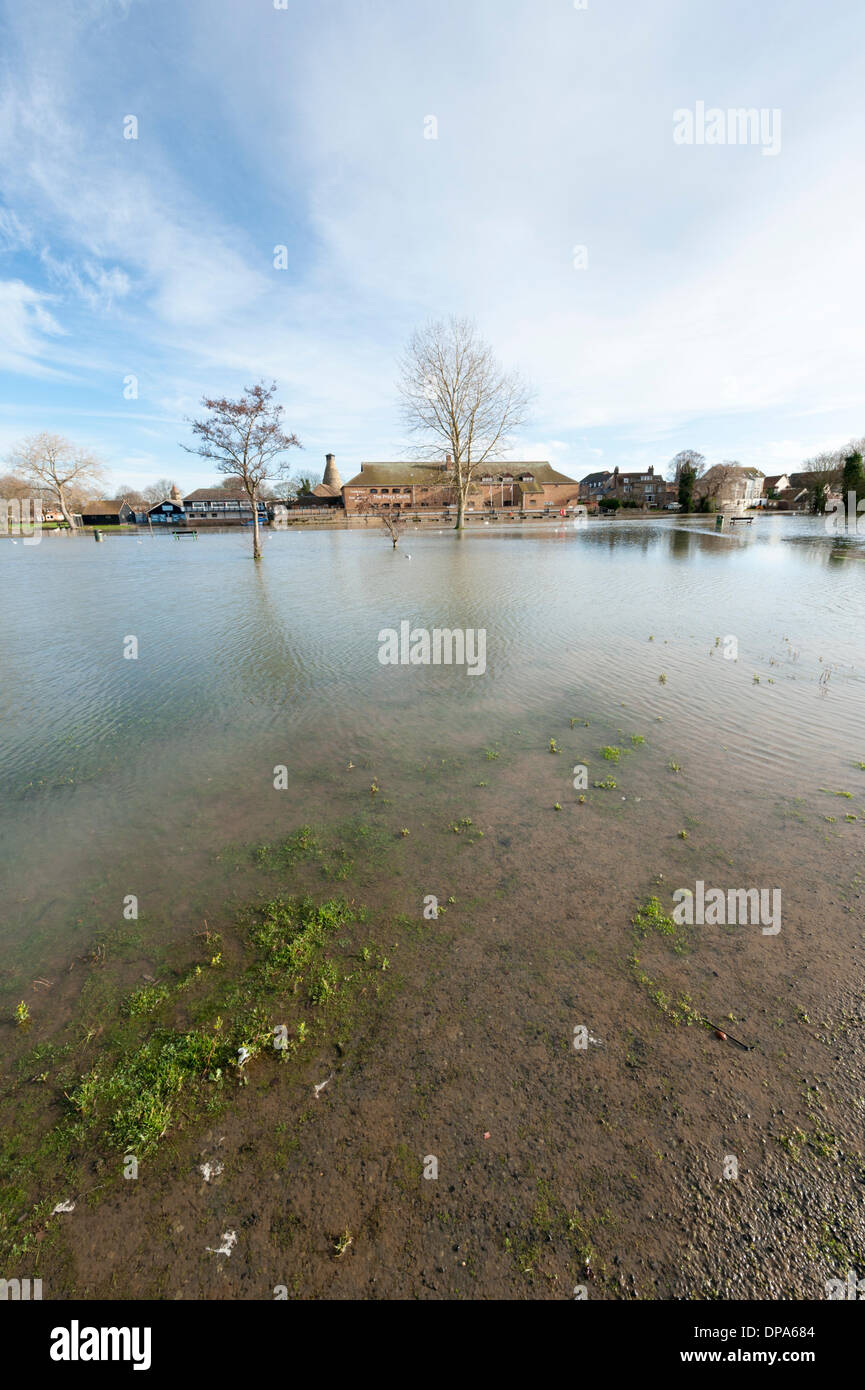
[408, 487]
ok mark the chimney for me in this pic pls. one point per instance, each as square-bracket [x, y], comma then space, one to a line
[331, 476]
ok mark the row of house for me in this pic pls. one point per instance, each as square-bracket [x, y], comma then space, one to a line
[729, 486]
[205, 504]
[378, 488]
[530, 487]
[643, 489]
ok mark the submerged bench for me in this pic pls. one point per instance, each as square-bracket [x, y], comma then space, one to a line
[179, 534]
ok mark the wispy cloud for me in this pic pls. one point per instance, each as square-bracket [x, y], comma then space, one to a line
[720, 300]
[25, 324]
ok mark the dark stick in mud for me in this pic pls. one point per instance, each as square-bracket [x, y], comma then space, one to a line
[728, 1037]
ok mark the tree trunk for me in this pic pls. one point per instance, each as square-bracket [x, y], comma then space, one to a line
[67, 516]
[256, 547]
[461, 504]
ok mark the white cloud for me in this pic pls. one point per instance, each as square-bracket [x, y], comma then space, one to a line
[25, 322]
[722, 295]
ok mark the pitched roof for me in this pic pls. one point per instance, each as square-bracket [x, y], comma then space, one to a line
[431, 474]
[215, 494]
[596, 477]
[375, 474]
[732, 469]
[808, 479]
[104, 507]
[326, 490]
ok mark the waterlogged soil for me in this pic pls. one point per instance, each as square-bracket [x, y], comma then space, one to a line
[435, 1132]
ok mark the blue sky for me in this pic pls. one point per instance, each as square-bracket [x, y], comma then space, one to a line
[721, 306]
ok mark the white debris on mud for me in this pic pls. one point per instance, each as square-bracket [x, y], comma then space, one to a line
[229, 1240]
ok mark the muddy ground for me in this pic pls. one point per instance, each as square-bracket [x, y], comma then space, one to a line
[558, 1169]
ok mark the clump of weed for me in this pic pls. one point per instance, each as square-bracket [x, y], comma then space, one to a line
[612, 755]
[135, 1099]
[342, 1243]
[652, 919]
[144, 1001]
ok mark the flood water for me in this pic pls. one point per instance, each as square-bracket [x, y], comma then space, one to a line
[728, 666]
[106, 761]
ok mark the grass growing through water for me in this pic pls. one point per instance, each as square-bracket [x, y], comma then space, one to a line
[651, 920]
[132, 1102]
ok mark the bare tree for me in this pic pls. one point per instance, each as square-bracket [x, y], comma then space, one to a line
[831, 461]
[245, 439]
[57, 469]
[131, 495]
[687, 460]
[14, 488]
[459, 400]
[157, 492]
[394, 524]
[722, 483]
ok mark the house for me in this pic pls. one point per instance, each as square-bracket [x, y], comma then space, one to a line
[408, 487]
[167, 511]
[593, 487]
[731, 485]
[116, 512]
[772, 486]
[230, 507]
[803, 489]
[642, 489]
